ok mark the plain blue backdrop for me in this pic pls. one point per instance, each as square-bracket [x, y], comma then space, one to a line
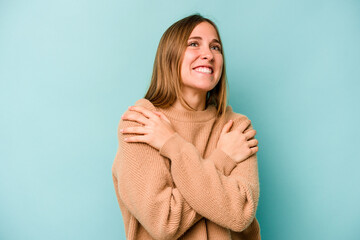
[69, 69]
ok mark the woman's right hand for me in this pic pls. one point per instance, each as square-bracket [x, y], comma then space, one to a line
[239, 144]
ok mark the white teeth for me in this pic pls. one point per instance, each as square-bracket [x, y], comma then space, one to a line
[203, 69]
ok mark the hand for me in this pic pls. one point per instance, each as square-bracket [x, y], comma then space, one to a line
[156, 129]
[238, 144]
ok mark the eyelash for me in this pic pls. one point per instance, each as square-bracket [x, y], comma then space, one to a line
[218, 48]
[190, 44]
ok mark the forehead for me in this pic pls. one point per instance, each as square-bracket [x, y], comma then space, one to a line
[204, 30]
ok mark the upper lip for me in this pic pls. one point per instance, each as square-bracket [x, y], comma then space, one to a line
[208, 66]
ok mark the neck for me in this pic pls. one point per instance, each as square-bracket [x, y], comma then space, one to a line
[195, 101]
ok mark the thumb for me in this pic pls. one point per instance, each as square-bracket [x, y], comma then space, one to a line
[227, 127]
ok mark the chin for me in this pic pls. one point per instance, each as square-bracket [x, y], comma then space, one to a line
[201, 85]
[204, 88]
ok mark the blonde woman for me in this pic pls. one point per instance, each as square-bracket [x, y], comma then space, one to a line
[186, 166]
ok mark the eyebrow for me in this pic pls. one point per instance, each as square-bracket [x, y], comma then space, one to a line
[199, 38]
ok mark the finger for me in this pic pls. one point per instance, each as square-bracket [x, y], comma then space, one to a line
[249, 129]
[135, 130]
[250, 134]
[136, 118]
[146, 112]
[227, 127]
[254, 150]
[244, 124]
[138, 138]
[253, 142]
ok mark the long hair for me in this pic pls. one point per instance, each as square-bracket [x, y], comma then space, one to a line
[165, 85]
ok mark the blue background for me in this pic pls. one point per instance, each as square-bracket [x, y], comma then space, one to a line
[69, 69]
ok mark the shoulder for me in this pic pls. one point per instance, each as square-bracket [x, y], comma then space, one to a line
[231, 115]
[141, 102]
[238, 118]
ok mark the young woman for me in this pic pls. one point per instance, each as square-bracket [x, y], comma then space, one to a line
[186, 166]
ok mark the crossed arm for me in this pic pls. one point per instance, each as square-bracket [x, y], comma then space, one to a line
[146, 184]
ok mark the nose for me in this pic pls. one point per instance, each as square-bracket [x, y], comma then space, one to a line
[206, 53]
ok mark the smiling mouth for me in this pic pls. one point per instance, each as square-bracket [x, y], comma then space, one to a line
[203, 69]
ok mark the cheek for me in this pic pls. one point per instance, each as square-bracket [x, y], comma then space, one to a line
[183, 70]
[186, 66]
[220, 61]
[185, 63]
[221, 64]
[189, 57]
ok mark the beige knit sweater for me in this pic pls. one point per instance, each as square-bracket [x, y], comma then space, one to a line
[188, 189]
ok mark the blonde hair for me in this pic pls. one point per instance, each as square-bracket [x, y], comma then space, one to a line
[165, 85]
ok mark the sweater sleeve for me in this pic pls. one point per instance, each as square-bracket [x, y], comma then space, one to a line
[145, 186]
[217, 188]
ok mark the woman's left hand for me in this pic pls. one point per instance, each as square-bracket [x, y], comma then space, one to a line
[156, 129]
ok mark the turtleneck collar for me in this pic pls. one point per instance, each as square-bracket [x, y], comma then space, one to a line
[190, 115]
[182, 115]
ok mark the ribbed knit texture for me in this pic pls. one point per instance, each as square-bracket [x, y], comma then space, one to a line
[189, 189]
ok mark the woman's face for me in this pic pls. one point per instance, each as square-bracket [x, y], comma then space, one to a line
[202, 63]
